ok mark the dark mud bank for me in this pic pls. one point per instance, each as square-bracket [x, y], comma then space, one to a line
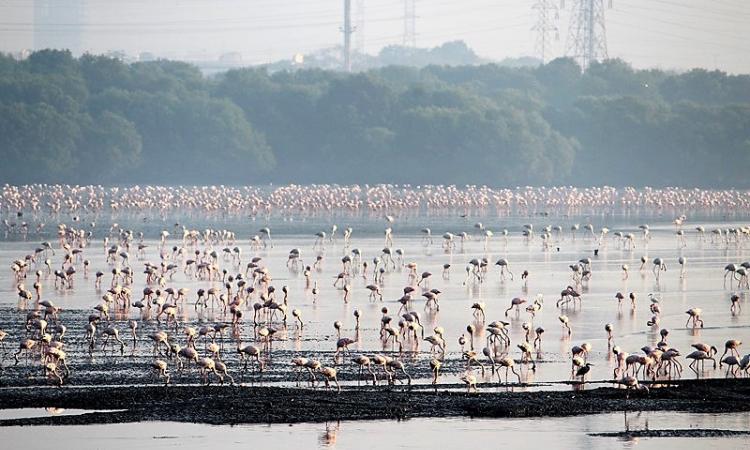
[239, 404]
[689, 432]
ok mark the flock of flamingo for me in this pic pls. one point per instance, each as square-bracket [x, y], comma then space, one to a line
[325, 198]
[241, 312]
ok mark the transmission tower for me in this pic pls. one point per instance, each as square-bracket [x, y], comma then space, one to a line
[548, 14]
[410, 23]
[587, 32]
[359, 37]
[347, 30]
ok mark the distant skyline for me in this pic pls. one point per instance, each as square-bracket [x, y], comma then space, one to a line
[667, 34]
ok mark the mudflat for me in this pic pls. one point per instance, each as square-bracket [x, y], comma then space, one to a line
[264, 404]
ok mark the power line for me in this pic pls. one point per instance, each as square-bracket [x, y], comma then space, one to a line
[694, 8]
[347, 30]
[688, 27]
[545, 27]
[460, 32]
[410, 23]
[359, 37]
[587, 32]
[692, 39]
[703, 16]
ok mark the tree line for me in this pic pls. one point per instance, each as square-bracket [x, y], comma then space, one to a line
[97, 120]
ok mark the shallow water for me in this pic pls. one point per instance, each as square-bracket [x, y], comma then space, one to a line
[27, 413]
[558, 433]
[702, 286]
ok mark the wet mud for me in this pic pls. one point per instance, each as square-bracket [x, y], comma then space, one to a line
[265, 404]
[688, 432]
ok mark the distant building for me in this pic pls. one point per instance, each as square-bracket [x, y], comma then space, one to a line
[146, 57]
[59, 24]
[117, 54]
[231, 58]
[20, 55]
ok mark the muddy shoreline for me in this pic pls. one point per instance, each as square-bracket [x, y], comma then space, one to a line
[263, 404]
[689, 432]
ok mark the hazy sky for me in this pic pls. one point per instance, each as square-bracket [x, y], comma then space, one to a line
[671, 34]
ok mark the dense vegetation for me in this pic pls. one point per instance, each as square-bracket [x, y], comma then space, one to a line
[455, 53]
[95, 119]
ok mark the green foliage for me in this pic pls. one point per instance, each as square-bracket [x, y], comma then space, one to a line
[450, 53]
[112, 145]
[37, 142]
[98, 120]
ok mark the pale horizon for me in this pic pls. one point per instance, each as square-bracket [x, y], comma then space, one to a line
[663, 34]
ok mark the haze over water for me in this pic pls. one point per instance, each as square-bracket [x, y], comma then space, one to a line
[702, 285]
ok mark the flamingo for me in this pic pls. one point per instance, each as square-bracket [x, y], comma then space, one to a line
[427, 239]
[470, 380]
[363, 361]
[731, 347]
[160, 367]
[630, 383]
[509, 365]
[729, 269]
[515, 303]
[694, 315]
[682, 261]
[330, 374]
[608, 328]
[266, 232]
[736, 306]
[659, 265]
[504, 267]
[435, 366]
[565, 321]
[397, 365]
